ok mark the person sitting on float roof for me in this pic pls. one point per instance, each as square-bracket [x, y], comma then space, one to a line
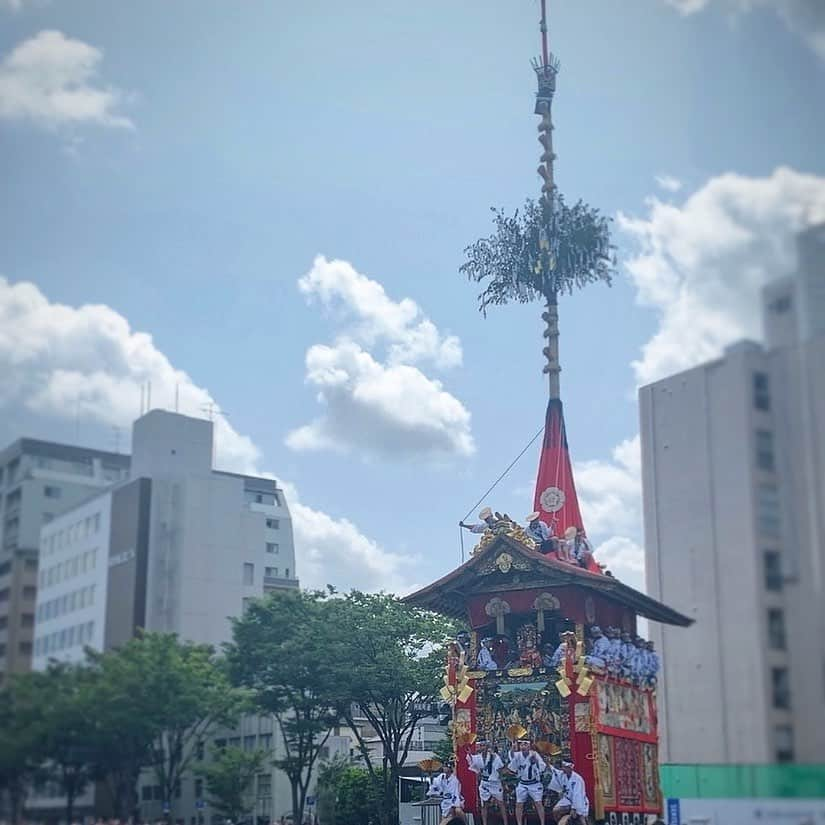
[541, 533]
[487, 521]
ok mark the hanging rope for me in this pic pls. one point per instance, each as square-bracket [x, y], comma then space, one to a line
[495, 484]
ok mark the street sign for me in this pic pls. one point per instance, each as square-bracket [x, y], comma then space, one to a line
[166, 807]
[200, 804]
[674, 814]
[311, 801]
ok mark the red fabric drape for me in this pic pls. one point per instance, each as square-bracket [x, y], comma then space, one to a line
[555, 497]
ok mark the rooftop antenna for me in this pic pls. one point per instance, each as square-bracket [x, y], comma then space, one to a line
[212, 409]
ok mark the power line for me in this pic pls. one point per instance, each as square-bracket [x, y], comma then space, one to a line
[496, 483]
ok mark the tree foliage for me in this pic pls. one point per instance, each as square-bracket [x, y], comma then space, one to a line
[393, 656]
[347, 795]
[65, 695]
[540, 252]
[155, 697]
[229, 777]
[21, 742]
[279, 653]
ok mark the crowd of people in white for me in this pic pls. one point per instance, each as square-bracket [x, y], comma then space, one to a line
[572, 805]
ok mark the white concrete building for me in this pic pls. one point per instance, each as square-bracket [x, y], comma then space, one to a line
[733, 470]
[38, 481]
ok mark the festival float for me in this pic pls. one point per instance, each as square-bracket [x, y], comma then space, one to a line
[552, 653]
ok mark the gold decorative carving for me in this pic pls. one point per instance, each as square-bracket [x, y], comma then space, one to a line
[497, 608]
[503, 526]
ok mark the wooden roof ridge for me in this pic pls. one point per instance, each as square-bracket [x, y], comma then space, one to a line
[567, 574]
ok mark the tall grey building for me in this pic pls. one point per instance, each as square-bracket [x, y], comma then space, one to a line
[178, 547]
[38, 481]
[733, 471]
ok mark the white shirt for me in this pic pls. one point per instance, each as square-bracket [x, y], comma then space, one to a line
[541, 532]
[529, 768]
[485, 660]
[448, 787]
[488, 767]
[571, 789]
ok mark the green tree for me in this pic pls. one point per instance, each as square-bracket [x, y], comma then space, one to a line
[155, 698]
[393, 662]
[65, 694]
[279, 653]
[228, 778]
[193, 693]
[346, 795]
[444, 749]
[358, 801]
[326, 788]
[21, 743]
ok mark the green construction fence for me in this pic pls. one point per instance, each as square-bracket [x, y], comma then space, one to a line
[735, 781]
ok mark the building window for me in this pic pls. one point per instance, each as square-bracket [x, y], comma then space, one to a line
[273, 523]
[271, 572]
[235, 742]
[50, 491]
[781, 688]
[25, 648]
[768, 509]
[29, 592]
[4, 622]
[220, 744]
[265, 741]
[27, 620]
[264, 784]
[761, 391]
[248, 573]
[780, 305]
[776, 629]
[783, 743]
[146, 793]
[286, 573]
[764, 450]
[249, 743]
[272, 547]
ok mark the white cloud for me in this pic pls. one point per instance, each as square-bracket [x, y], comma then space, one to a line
[609, 491]
[805, 18]
[379, 403]
[57, 360]
[411, 336]
[610, 496]
[701, 265]
[334, 551]
[668, 183]
[620, 553]
[52, 80]
[382, 409]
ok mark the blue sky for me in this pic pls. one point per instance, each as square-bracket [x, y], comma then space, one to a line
[181, 165]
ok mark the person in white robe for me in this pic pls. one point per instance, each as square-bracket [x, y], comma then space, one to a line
[572, 793]
[448, 788]
[529, 767]
[486, 765]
